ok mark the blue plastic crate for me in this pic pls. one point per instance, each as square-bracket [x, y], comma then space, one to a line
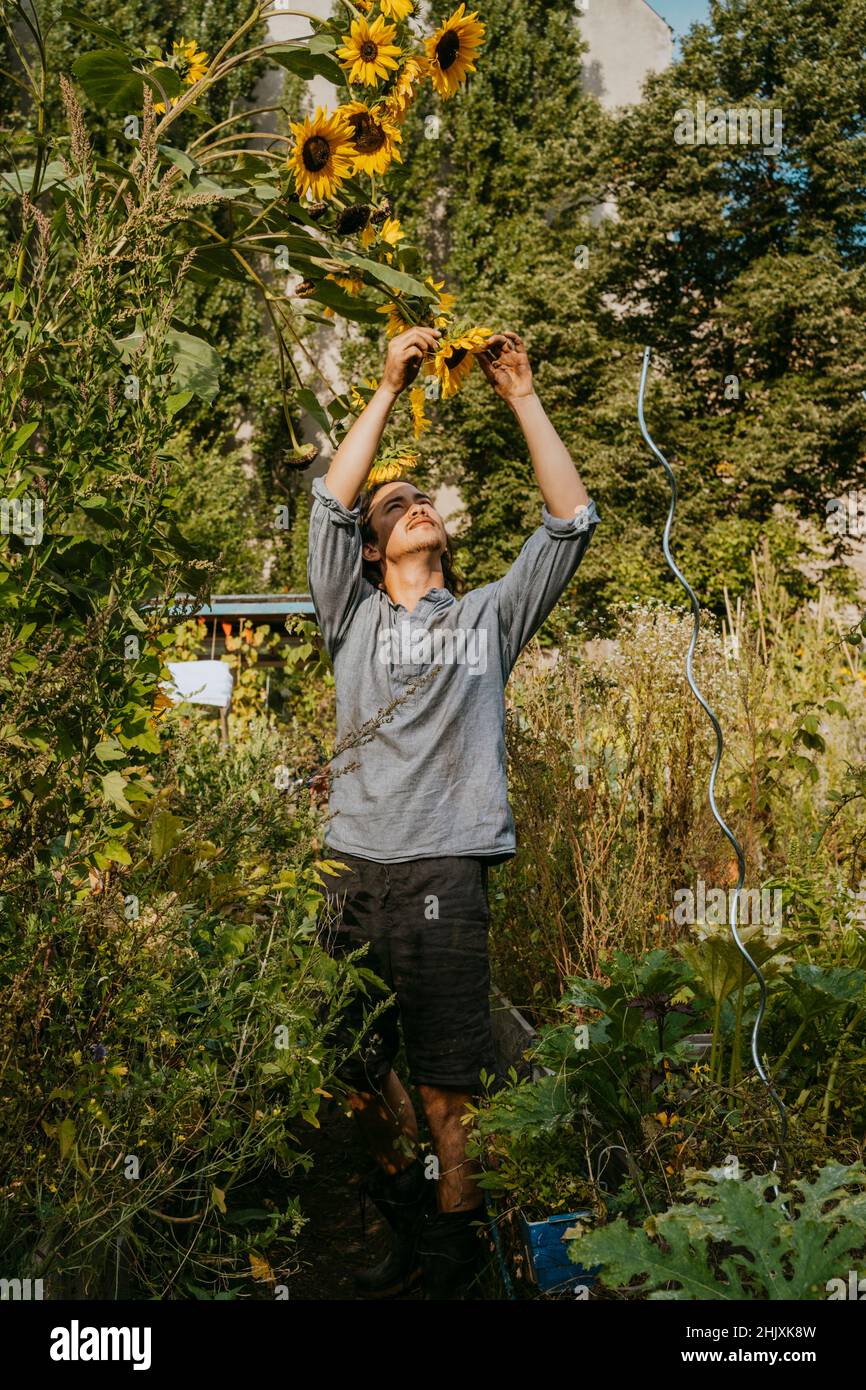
[548, 1252]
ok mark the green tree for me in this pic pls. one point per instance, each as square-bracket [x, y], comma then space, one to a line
[742, 269]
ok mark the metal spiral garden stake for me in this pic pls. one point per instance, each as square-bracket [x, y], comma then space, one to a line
[735, 844]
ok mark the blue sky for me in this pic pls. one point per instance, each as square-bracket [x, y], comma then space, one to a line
[681, 13]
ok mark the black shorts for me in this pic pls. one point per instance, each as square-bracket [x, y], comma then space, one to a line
[427, 923]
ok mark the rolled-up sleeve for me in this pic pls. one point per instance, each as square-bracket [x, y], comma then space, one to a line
[528, 593]
[334, 564]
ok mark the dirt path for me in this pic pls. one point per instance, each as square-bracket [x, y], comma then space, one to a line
[332, 1244]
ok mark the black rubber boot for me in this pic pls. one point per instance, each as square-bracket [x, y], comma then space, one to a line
[404, 1199]
[451, 1250]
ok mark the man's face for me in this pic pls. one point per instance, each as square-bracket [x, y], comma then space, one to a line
[405, 522]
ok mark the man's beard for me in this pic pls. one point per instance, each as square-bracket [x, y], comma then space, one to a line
[424, 538]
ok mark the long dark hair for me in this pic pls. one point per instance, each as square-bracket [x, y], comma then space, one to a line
[372, 569]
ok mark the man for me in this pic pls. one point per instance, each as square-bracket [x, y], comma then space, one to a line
[419, 799]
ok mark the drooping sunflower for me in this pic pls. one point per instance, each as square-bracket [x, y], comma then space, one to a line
[352, 284]
[323, 153]
[374, 136]
[454, 359]
[453, 49]
[189, 62]
[444, 302]
[391, 465]
[403, 93]
[397, 321]
[368, 52]
[396, 9]
[390, 231]
[420, 422]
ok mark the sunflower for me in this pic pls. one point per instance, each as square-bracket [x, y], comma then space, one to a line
[374, 136]
[359, 400]
[323, 153]
[396, 9]
[353, 284]
[368, 52]
[454, 358]
[403, 93]
[397, 323]
[452, 49]
[188, 61]
[445, 302]
[390, 232]
[420, 423]
[391, 465]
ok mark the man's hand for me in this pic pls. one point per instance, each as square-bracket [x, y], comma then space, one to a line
[405, 354]
[505, 363]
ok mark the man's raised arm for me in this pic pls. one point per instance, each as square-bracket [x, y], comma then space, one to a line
[529, 591]
[354, 457]
[506, 365]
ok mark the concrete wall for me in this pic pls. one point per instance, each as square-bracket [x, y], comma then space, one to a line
[627, 40]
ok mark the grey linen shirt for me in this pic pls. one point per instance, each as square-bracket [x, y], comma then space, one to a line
[431, 779]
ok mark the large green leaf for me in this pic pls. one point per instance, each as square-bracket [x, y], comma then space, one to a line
[21, 180]
[164, 831]
[109, 79]
[196, 365]
[305, 64]
[735, 1242]
[100, 31]
[387, 275]
[309, 401]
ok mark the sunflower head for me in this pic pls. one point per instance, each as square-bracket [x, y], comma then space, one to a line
[396, 9]
[454, 359]
[368, 53]
[397, 321]
[403, 93]
[452, 51]
[374, 136]
[352, 219]
[392, 464]
[189, 61]
[323, 154]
